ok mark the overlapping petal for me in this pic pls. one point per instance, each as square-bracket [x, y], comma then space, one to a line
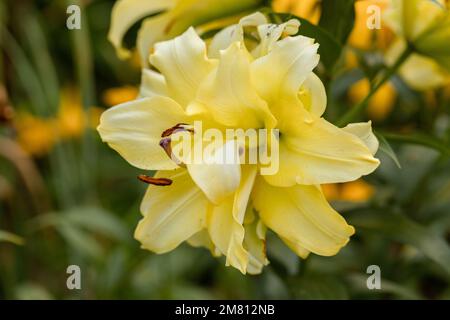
[127, 12]
[217, 173]
[302, 217]
[134, 130]
[225, 222]
[228, 95]
[279, 75]
[184, 64]
[317, 152]
[172, 214]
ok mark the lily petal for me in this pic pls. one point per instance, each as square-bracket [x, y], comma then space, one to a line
[235, 33]
[184, 64]
[152, 84]
[228, 93]
[271, 33]
[172, 214]
[202, 239]
[313, 95]
[301, 216]
[225, 222]
[318, 152]
[280, 74]
[363, 130]
[127, 12]
[134, 130]
[219, 173]
[255, 243]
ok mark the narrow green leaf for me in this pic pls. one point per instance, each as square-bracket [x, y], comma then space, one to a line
[422, 139]
[98, 220]
[387, 149]
[401, 228]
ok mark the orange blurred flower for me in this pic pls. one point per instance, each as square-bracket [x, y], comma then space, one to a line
[355, 191]
[115, 96]
[382, 102]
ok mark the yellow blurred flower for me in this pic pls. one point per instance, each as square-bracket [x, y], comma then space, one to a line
[115, 96]
[382, 102]
[70, 120]
[355, 191]
[38, 135]
[425, 24]
[364, 38]
[176, 17]
[225, 85]
[307, 9]
[418, 71]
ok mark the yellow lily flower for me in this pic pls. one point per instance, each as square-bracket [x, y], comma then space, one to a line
[231, 84]
[170, 18]
[425, 24]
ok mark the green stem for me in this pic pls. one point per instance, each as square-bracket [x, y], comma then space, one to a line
[351, 114]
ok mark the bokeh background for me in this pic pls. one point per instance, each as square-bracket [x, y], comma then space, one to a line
[66, 198]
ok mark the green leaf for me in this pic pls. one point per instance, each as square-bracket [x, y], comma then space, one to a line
[387, 149]
[421, 139]
[358, 282]
[401, 228]
[80, 240]
[329, 50]
[11, 237]
[338, 18]
[99, 220]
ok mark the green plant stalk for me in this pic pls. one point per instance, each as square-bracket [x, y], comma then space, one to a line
[84, 69]
[354, 112]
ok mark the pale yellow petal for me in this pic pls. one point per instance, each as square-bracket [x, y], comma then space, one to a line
[297, 248]
[269, 34]
[172, 214]
[127, 12]
[134, 130]
[313, 95]
[280, 74]
[235, 33]
[255, 243]
[152, 30]
[152, 84]
[363, 130]
[184, 64]
[218, 173]
[228, 93]
[202, 239]
[225, 222]
[317, 152]
[302, 216]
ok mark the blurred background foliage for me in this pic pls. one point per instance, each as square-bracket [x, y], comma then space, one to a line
[66, 198]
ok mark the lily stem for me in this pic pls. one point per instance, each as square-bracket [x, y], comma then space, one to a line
[351, 114]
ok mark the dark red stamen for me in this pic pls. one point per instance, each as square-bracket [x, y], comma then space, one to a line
[155, 181]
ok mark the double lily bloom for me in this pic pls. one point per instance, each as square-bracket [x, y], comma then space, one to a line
[265, 81]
